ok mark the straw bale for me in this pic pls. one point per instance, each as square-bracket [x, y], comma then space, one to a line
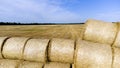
[13, 47]
[36, 50]
[117, 40]
[92, 55]
[99, 31]
[6, 63]
[27, 64]
[116, 61]
[2, 40]
[61, 50]
[57, 65]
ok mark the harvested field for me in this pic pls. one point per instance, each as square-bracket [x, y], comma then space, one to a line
[43, 31]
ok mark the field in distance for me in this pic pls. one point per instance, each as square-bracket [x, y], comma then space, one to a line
[43, 31]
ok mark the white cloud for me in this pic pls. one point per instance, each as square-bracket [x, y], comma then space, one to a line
[35, 11]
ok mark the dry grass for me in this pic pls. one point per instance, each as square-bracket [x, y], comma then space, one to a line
[43, 31]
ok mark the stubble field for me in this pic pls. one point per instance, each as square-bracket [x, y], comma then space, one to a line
[43, 31]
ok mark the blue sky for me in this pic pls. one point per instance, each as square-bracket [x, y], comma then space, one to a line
[59, 11]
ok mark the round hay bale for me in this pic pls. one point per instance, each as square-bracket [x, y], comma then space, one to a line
[116, 61]
[36, 50]
[117, 40]
[56, 65]
[73, 66]
[61, 50]
[5, 63]
[13, 47]
[99, 31]
[92, 55]
[2, 39]
[27, 64]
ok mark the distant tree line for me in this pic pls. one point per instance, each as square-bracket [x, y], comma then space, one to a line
[15, 23]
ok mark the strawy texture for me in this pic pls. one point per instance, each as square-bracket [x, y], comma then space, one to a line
[2, 39]
[5, 63]
[61, 50]
[92, 55]
[36, 50]
[116, 61]
[56, 65]
[99, 31]
[27, 64]
[13, 47]
[117, 40]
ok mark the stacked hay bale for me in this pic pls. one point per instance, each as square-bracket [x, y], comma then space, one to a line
[101, 32]
[117, 43]
[92, 55]
[2, 39]
[96, 50]
[13, 47]
[61, 50]
[116, 61]
[36, 50]
[27, 64]
[6, 63]
[57, 65]
[116, 49]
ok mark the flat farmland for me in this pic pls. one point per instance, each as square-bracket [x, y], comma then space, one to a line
[43, 31]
